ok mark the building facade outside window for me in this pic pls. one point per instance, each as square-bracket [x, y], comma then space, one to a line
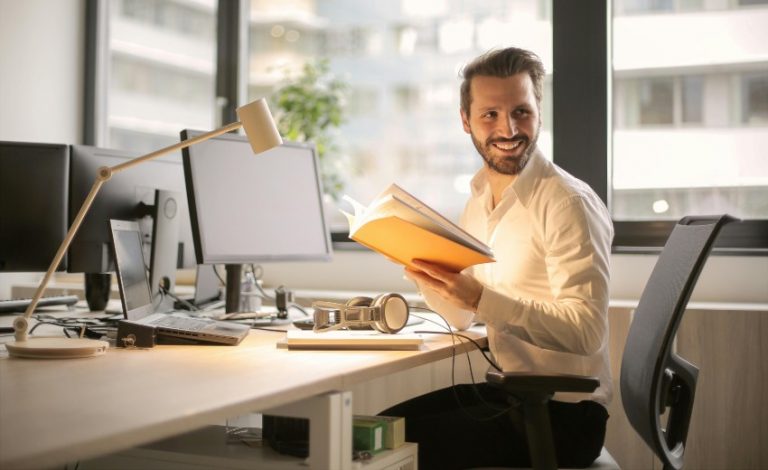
[161, 72]
[689, 102]
[689, 109]
[401, 60]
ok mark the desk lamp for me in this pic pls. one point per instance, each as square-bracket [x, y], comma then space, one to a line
[262, 134]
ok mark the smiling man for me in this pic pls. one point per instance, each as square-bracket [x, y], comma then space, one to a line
[544, 301]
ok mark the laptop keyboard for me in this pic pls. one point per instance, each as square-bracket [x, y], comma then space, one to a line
[189, 324]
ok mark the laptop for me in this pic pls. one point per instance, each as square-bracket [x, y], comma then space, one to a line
[136, 295]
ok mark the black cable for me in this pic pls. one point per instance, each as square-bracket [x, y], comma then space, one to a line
[477, 345]
[275, 330]
[216, 272]
[192, 307]
[454, 335]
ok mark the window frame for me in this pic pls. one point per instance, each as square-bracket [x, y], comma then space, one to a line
[581, 42]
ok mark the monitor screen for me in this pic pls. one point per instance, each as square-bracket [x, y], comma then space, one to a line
[120, 198]
[248, 208]
[33, 205]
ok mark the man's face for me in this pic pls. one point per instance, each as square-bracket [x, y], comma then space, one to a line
[503, 121]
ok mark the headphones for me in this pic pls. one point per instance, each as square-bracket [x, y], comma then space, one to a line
[387, 313]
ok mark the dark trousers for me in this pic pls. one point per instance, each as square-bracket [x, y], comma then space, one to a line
[467, 426]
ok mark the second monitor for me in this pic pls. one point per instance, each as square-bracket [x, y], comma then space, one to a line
[247, 208]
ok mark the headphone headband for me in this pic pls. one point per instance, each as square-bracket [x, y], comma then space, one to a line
[387, 313]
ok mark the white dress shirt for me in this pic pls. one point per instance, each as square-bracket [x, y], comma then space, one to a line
[545, 299]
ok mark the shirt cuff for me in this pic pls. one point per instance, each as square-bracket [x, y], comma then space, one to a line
[496, 309]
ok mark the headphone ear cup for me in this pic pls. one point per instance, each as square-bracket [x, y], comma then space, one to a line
[392, 313]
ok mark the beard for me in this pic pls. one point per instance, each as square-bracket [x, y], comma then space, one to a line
[506, 165]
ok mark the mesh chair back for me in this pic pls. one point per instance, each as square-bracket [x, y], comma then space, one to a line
[653, 377]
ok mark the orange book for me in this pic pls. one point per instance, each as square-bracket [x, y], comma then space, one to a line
[402, 228]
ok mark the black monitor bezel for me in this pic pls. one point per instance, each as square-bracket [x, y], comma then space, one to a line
[92, 256]
[30, 243]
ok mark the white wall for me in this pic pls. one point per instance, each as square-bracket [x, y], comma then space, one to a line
[41, 93]
[41, 77]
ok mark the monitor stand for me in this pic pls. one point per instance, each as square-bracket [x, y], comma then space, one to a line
[232, 298]
[165, 246]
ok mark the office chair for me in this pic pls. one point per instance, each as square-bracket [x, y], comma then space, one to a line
[653, 378]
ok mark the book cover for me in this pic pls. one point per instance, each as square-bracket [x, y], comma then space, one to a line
[402, 228]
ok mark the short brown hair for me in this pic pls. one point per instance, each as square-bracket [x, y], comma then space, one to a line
[503, 63]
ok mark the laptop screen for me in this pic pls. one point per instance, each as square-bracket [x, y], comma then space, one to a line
[131, 272]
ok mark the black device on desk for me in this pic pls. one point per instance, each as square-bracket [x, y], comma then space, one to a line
[148, 194]
[33, 213]
[137, 299]
[247, 208]
[33, 205]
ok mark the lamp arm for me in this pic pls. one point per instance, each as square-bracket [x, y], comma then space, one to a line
[21, 324]
[178, 146]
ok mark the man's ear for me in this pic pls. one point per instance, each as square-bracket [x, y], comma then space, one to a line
[465, 122]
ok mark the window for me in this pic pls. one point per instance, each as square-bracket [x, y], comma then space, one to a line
[401, 62]
[690, 121]
[160, 62]
[755, 99]
[688, 114]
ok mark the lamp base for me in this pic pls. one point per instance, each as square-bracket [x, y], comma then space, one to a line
[56, 348]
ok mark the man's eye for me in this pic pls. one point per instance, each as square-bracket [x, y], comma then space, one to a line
[522, 112]
[490, 114]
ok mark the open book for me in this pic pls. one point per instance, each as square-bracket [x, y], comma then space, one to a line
[402, 228]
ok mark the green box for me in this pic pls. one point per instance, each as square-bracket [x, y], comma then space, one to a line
[367, 435]
[394, 429]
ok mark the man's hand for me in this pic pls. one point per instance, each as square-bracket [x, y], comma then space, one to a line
[460, 289]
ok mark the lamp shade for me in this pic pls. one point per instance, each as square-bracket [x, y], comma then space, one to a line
[259, 126]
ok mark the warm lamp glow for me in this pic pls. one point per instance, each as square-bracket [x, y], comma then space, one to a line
[262, 134]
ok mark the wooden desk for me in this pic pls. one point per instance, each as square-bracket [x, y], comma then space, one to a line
[58, 411]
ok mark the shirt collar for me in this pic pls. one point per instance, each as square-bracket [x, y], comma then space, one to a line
[523, 186]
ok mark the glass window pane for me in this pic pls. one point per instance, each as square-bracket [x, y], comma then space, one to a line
[161, 71]
[400, 62]
[755, 102]
[692, 99]
[690, 117]
[656, 96]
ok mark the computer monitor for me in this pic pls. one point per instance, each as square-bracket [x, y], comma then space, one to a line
[129, 195]
[33, 205]
[247, 208]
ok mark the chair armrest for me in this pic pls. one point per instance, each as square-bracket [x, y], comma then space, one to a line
[523, 382]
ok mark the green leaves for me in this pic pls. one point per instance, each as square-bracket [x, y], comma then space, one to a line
[309, 108]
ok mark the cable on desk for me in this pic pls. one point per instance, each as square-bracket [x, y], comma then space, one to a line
[265, 328]
[477, 345]
[498, 411]
[164, 291]
[221, 279]
[71, 326]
